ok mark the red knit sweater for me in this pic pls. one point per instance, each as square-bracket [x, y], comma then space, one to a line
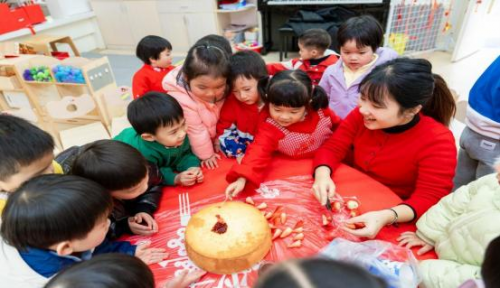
[269, 140]
[244, 117]
[417, 164]
[148, 79]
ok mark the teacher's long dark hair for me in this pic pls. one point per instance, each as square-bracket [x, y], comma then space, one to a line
[410, 82]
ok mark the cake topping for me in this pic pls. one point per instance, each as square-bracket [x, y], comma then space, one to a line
[220, 227]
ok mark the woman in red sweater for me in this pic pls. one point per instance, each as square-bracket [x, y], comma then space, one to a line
[295, 122]
[399, 138]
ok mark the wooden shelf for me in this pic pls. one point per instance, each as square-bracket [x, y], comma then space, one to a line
[246, 8]
[70, 84]
[40, 82]
[13, 90]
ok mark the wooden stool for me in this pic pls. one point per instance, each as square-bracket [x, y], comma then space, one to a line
[286, 35]
[41, 43]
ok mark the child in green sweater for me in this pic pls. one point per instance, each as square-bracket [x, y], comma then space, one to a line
[159, 133]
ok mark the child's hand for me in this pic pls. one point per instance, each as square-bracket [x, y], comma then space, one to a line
[150, 255]
[410, 239]
[185, 279]
[211, 162]
[235, 188]
[142, 224]
[196, 171]
[186, 178]
[217, 146]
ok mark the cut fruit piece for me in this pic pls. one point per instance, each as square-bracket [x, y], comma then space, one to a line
[249, 200]
[353, 213]
[299, 236]
[352, 204]
[299, 223]
[330, 236]
[295, 244]
[277, 233]
[326, 220]
[286, 233]
[262, 206]
[298, 230]
[283, 218]
[337, 206]
[268, 215]
[350, 226]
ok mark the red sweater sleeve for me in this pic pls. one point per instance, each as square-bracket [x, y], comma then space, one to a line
[273, 68]
[436, 168]
[336, 120]
[227, 115]
[258, 156]
[334, 150]
[140, 84]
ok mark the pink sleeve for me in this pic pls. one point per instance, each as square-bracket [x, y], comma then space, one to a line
[198, 133]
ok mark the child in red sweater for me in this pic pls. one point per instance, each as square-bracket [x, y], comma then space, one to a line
[399, 138]
[238, 118]
[315, 56]
[154, 51]
[295, 122]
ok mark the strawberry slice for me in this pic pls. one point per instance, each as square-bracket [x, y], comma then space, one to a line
[299, 236]
[296, 244]
[287, 232]
[262, 206]
[283, 218]
[352, 204]
[250, 201]
[277, 233]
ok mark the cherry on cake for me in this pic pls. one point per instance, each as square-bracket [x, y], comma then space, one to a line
[227, 237]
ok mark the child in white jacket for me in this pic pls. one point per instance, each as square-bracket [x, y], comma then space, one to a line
[459, 228]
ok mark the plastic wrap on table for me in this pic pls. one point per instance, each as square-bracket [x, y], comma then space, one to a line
[393, 263]
[291, 196]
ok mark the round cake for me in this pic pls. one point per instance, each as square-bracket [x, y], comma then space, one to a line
[228, 237]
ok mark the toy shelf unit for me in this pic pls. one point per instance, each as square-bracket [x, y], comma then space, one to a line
[416, 26]
[69, 93]
[14, 99]
[239, 23]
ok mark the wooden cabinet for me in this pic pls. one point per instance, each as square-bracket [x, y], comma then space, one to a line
[124, 23]
[185, 21]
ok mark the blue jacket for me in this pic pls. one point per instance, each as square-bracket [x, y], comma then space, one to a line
[483, 113]
[47, 263]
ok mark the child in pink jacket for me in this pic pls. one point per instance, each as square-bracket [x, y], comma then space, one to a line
[200, 86]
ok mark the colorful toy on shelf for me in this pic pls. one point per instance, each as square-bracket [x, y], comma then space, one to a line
[249, 45]
[38, 74]
[68, 74]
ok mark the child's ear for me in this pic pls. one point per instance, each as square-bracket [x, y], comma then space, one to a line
[315, 53]
[152, 60]
[148, 137]
[64, 248]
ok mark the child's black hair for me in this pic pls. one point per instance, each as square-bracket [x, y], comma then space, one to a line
[491, 265]
[248, 64]
[52, 208]
[410, 82]
[318, 273]
[217, 40]
[316, 38]
[293, 88]
[105, 271]
[152, 111]
[364, 29]
[204, 59]
[21, 144]
[151, 47]
[113, 164]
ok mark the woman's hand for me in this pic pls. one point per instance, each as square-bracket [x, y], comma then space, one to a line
[410, 239]
[235, 188]
[323, 186]
[211, 163]
[372, 222]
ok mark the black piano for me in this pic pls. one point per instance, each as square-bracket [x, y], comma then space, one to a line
[275, 13]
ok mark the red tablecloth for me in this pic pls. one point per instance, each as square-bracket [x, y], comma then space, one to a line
[349, 182]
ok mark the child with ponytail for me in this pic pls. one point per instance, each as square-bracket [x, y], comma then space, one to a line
[399, 137]
[296, 122]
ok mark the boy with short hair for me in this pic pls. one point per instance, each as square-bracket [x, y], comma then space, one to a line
[134, 183]
[25, 152]
[159, 133]
[155, 53]
[54, 221]
[315, 56]
[239, 116]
